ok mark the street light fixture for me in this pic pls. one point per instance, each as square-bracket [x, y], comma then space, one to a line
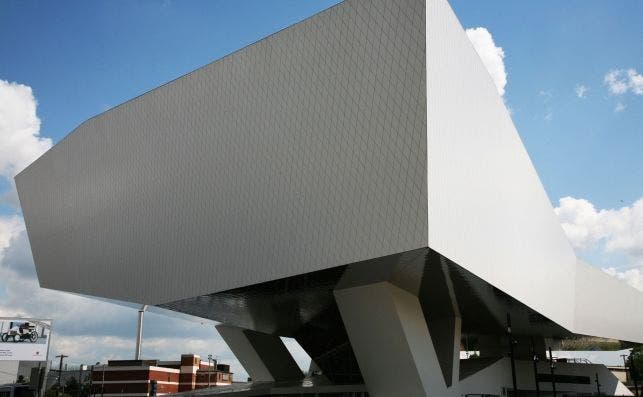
[552, 371]
[209, 368]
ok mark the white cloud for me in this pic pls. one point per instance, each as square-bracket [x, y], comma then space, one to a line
[20, 140]
[492, 56]
[616, 84]
[613, 231]
[620, 81]
[10, 227]
[619, 229]
[90, 330]
[620, 106]
[581, 91]
[635, 81]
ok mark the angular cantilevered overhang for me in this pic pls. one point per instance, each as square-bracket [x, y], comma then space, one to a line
[370, 129]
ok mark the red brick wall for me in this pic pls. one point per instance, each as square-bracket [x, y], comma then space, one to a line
[124, 381]
[189, 365]
[164, 376]
[142, 374]
[192, 375]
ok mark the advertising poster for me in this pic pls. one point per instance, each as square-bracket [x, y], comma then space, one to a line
[24, 339]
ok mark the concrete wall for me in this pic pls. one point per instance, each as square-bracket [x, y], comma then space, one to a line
[496, 377]
[8, 371]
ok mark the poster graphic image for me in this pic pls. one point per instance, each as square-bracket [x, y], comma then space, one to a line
[24, 339]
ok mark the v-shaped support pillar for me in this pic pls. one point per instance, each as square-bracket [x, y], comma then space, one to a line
[263, 356]
[391, 341]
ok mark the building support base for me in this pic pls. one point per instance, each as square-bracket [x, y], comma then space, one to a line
[263, 356]
[391, 340]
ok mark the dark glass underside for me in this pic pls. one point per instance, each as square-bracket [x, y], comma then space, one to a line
[303, 307]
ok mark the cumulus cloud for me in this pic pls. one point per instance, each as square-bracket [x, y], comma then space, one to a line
[620, 81]
[636, 81]
[90, 330]
[10, 227]
[20, 140]
[581, 91]
[620, 106]
[620, 229]
[616, 231]
[492, 56]
[615, 82]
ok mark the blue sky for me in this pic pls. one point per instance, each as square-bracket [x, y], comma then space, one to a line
[80, 58]
[585, 149]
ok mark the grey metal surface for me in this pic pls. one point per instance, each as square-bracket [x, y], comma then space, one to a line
[370, 129]
[303, 151]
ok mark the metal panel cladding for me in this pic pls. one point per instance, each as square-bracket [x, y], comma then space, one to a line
[487, 210]
[303, 151]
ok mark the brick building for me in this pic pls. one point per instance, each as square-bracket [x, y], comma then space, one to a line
[137, 378]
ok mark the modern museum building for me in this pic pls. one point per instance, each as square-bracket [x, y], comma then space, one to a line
[354, 182]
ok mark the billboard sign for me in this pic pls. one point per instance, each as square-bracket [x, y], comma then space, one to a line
[24, 339]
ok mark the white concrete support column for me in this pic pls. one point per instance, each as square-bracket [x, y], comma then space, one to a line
[391, 341]
[139, 332]
[264, 356]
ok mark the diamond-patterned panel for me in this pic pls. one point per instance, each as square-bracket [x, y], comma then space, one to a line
[303, 151]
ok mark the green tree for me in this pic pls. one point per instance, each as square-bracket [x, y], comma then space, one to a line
[55, 391]
[635, 362]
[72, 386]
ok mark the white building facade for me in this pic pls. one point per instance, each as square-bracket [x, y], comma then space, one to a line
[354, 182]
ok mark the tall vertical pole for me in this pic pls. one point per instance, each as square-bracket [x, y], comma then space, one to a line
[60, 368]
[48, 364]
[598, 385]
[139, 335]
[634, 374]
[91, 381]
[511, 354]
[534, 358]
[552, 367]
[627, 375]
[80, 382]
[38, 391]
[102, 385]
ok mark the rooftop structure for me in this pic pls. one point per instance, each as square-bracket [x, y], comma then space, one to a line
[134, 378]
